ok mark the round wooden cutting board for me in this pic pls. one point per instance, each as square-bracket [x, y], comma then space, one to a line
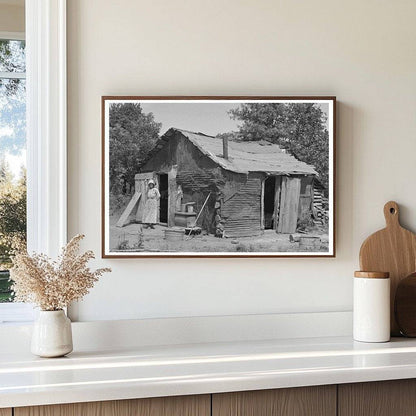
[393, 250]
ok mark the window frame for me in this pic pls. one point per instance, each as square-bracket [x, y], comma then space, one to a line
[12, 35]
[14, 312]
[46, 137]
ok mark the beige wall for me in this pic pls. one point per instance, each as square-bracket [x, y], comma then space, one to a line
[361, 51]
[12, 18]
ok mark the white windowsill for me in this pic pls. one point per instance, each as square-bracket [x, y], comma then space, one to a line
[12, 35]
[16, 313]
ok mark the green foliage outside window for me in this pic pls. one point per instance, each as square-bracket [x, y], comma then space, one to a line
[12, 223]
[12, 146]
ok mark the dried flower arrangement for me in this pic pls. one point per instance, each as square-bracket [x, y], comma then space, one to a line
[53, 285]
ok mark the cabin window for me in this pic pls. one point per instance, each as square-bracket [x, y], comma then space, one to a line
[268, 203]
[164, 198]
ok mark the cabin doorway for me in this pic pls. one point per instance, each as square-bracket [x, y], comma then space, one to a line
[164, 197]
[269, 202]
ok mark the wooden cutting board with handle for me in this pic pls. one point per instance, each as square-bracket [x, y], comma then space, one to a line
[393, 250]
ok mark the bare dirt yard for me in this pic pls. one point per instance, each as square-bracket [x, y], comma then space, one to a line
[136, 238]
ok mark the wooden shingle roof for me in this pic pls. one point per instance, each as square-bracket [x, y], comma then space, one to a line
[244, 157]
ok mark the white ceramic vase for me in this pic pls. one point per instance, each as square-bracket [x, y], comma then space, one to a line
[52, 334]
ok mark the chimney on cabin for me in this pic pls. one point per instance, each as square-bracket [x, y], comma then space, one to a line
[225, 147]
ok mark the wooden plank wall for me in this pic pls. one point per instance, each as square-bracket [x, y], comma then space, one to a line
[172, 195]
[6, 412]
[277, 195]
[306, 197]
[289, 205]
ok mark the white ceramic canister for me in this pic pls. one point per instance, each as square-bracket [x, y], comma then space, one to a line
[371, 307]
[52, 334]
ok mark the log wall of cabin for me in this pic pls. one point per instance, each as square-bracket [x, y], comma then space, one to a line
[196, 173]
[238, 194]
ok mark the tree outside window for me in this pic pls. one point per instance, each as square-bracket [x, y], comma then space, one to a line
[12, 156]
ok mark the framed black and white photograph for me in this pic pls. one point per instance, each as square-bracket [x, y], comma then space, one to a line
[218, 176]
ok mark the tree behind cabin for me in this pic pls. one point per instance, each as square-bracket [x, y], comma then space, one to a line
[299, 128]
[132, 135]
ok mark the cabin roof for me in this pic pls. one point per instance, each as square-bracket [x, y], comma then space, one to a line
[244, 157]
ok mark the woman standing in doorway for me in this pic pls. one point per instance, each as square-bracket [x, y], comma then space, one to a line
[150, 208]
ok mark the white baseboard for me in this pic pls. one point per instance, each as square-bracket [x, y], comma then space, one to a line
[102, 335]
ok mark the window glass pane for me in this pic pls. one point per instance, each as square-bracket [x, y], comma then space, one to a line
[12, 168]
[12, 56]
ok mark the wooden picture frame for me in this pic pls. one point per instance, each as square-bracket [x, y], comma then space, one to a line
[259, 183]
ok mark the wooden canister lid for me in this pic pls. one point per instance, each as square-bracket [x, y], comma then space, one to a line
[372, 275]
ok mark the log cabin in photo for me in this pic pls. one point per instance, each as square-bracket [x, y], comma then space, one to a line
[247, 187]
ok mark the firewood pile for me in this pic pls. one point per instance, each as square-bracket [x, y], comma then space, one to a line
[320, 204]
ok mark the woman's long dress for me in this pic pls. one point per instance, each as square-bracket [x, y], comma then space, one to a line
[150, 208]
